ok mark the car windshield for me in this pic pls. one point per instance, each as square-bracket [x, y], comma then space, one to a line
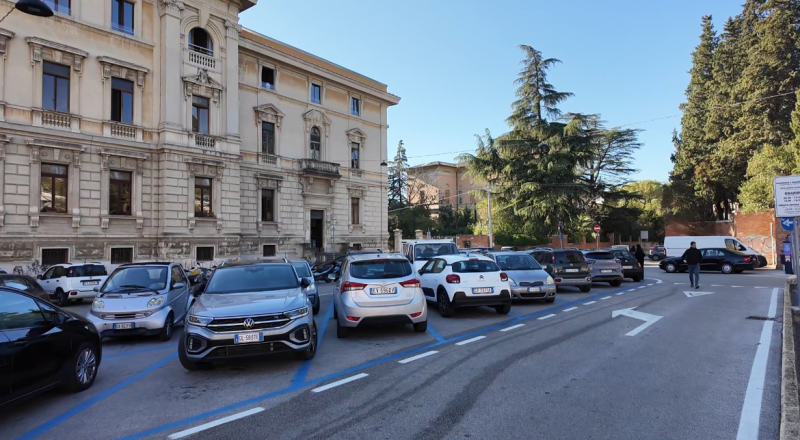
[302, 269]
[600, 255]
[474, 266]
[380, 269]
[517, 262]
[254, 278]
[97, 270]
[428, 251]
[136, 278]
[567, 257]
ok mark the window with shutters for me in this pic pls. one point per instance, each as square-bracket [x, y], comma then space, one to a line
[204, 253]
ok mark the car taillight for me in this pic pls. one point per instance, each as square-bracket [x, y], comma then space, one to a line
[410, 283]
[348, 286]
[503, 276]
[747, 259]
[453, 279]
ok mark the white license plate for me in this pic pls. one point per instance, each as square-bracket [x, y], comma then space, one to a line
[248, 337]
[90, 283]
[124, 326]
[483, 290]
[627, 267]
[382, 290]
[571, 270]
[606, 271]
[534, 289]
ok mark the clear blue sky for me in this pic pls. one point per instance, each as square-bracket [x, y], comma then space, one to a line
[453, 63]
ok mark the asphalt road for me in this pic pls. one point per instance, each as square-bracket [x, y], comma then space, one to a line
[567, 370]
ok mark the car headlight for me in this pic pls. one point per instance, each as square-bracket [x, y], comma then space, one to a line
[550, 280]
[512, 282]
[297, 313]
[98, 304]
[311, 288]
[200, 321]
[155, 302]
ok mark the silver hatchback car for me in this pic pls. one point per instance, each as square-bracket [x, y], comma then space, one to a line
[525, 276]
[377, 289]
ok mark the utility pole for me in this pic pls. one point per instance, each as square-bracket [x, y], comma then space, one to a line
[489, 209]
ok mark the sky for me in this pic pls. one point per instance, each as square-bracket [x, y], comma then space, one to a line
[453, 63]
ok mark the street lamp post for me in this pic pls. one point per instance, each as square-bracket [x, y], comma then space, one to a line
[380, 228]
[37, 8]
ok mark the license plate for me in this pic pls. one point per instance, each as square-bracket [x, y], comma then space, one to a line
[606, 271]
[570, 270]
[382, 290]
[124, 326]
[483, 290]
[248, 337]
[627, 267]
[534, 289]
[90, 283]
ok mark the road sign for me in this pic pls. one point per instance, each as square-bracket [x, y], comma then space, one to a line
[646, 317]
[645, 235]
[787, 196]
[596, 228]
[787, 223]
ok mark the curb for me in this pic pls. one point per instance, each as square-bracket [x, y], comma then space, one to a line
[790, 401]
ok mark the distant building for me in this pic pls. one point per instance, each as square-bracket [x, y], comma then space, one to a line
[441, 183]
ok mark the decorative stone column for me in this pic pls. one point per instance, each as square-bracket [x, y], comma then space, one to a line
[171, 60]
[231, 78]
[3, 141]
[418, 234]
[5, 35]
[398, 240]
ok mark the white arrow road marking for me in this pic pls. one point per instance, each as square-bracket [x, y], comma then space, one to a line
[690, 294]
[646, 317]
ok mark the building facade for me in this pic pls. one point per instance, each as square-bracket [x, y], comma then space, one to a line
[441, 183]
[132, 130]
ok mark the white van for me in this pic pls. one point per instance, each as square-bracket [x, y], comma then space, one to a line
[419, 252]
[676, 246]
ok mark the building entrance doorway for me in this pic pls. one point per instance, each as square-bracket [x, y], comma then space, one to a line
[317, 229]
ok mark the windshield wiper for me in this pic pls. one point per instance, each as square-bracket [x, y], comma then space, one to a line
[127, 287]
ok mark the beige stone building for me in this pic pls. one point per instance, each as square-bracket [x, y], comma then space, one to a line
[441, 183]
[141, 129]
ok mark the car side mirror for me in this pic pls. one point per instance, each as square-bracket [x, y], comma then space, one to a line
[38, 277]
[305, 282]
[178, 286]
[420, 272]
[332, 276]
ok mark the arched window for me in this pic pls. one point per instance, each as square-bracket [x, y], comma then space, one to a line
[200, 41]
[316, 144]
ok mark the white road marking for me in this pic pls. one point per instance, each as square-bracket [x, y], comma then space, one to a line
[339, 382]
[590, 302]
[419, 356]
[470, 340]
[761, 287]
[751, 410]
[642, 287]
[230, 418]
[650, 284]
[623, 293]
[570, 309]
[513, 327]
[736, 286]
[646, 317]
[680, 284]
[546, 317]
[631, 290]
[717, 285]
[605, 297]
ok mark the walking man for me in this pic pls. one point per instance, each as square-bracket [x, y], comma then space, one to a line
[639, 254]
[692, 257]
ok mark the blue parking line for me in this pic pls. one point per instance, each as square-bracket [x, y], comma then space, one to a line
[55, 421]
[514, 315]
[128, 353]
[434, 333]
[302, 372]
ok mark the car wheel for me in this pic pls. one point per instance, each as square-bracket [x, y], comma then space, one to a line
[727, 268]
[670, 268]
[341, 332]
[82, 368]
[309, 352]
[504, 309]
[615, 283]
[656, 258]
[166, 331]
[550, 300]
[421, 327]
[445, 306]
[315, 307]
[585, 289]
[62, 298]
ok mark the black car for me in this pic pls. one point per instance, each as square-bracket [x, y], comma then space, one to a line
[658, 253]
[43, 347]
[630, 265]
[24, 283]
[714, 259]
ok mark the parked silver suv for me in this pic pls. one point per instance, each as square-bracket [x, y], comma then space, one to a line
[249, 309]
[377, 289]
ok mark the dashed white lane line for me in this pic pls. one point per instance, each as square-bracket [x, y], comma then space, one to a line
[642, 287]
[570, 309]
[470, 340]
[339, 382]
[631, 290]
[623, 293]
[589, 303]
[680, 284]
[230, 418]
[606, 297]
[650, 284]
[736, 286]
[717, 285]
[760, 287]
[419, 356]
[547, 316]
[507, 329]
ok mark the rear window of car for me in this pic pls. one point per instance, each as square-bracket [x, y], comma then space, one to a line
[380, 269]
[96, 270]
[517, 262]
[255, 278]
[302, 269]
[471, 266]
[567, 257]
[600, 255]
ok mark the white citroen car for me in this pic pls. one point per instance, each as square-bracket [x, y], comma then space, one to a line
[455, 281]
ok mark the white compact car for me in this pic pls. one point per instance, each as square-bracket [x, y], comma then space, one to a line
[67, 282]
[455, 281]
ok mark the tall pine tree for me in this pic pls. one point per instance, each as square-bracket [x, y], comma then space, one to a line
[398, 176]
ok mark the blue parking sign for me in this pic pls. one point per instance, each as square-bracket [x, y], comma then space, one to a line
[787, 223]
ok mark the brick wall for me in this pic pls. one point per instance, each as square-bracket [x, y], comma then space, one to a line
[475, 241]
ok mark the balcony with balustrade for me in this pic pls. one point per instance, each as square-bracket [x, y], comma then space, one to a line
[315, 167]
[268, 159]
[49, 118]
[203, 141]
[201, 57]
[123, 131]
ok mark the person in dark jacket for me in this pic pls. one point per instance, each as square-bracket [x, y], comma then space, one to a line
[639, 254]
[693, 257]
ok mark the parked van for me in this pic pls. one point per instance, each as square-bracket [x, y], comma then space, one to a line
[676, 246]
[419, 252]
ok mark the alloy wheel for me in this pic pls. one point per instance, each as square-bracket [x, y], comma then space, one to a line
[86, 367]
[442, 305]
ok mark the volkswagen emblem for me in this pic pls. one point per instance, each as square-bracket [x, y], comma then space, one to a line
[249, 323]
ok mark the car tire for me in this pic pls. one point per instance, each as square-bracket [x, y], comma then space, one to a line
[504, 309]
[62, 298]
[727, 269]
[341, 331]
[82, 369]
[421, 327]
[309, 352]
[550, 300]
[670, 268]
[585, 289]
[446, 308]
[185, 361]
[166, 331]
[656, 258]
[315, 307]
[615, 283]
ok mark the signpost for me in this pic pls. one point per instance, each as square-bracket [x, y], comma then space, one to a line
[597, 231]
[787, 204]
